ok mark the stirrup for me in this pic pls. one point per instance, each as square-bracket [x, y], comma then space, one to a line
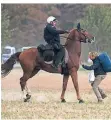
[55, 67]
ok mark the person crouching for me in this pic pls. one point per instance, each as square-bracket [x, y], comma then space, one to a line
[99, 74]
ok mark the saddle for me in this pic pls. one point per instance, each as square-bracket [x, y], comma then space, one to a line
[48, 54]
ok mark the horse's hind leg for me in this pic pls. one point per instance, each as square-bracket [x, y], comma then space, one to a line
[34, 72]
[23, 81]
[28, 92]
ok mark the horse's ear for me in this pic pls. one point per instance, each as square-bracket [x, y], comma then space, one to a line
[78, 26]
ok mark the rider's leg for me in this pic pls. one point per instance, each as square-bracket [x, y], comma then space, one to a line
[59, 56]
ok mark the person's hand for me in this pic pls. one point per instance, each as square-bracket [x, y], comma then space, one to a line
[81, 63]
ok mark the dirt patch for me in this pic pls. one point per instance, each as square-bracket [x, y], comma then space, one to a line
[44, 80]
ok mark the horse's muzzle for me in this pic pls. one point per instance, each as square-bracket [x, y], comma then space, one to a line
[91, 40]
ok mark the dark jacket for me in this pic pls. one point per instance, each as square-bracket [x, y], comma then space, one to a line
[97, 67]
[51, 34]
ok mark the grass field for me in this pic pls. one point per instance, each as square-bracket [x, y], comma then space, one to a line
[45, 102]
[46, 105]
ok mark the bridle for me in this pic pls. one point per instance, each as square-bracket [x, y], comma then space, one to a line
[86, 38]
[68, 38]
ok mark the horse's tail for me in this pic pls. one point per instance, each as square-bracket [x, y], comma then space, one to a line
[8, 65]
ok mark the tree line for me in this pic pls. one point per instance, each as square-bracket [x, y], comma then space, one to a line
[21, 23]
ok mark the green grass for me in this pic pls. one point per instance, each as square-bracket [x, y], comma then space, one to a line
[47, 105]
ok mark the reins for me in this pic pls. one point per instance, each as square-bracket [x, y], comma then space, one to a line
[71, 39]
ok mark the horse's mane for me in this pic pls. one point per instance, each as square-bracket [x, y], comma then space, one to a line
[69, 36]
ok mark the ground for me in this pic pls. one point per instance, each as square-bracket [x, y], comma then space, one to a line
[45, 102]
[44, 80]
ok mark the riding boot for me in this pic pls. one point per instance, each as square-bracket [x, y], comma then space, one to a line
[58, 58]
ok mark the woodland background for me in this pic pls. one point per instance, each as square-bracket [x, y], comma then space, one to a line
[23, 24]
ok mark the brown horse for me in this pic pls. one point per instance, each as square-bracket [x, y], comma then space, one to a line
[32, 63]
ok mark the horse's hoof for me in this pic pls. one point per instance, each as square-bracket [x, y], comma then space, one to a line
[63, 100]
[28, 96]
[25, 100]
[81, 101]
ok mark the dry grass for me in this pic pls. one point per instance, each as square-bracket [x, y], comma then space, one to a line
[45, 104]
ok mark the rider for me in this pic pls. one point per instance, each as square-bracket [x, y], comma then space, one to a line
[51, 36]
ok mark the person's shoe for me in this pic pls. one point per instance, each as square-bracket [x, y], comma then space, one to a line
[104, 96]
[100, 101]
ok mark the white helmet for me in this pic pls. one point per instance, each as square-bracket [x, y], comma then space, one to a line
[50, 19]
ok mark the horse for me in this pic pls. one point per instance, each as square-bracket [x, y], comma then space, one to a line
[31, 63]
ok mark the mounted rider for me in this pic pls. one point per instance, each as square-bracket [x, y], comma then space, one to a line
[51, 36]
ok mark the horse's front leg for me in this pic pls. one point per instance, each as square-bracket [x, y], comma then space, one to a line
[74, 77]
[64, 86]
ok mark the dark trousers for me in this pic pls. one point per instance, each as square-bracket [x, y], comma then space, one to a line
[59, 56]
[59, 53]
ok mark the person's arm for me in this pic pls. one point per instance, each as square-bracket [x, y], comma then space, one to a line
[92, 67]
[53, 31]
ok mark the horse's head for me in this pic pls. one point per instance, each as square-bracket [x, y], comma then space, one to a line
[83, 35]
